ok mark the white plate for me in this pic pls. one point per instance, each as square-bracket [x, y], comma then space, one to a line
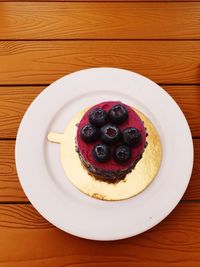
[43, 178]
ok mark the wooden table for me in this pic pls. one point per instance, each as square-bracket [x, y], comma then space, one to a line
[42, 41]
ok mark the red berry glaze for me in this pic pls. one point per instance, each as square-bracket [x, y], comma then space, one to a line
[85, 149]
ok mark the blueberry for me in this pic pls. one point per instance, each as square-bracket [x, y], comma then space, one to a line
[89, 133]
[101, 152]
[98, 117]
[122, 153]
[118, 114]
[132, 136]
[109, 134]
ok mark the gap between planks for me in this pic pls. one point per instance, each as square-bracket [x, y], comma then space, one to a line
[182, 201]
[47, 84]
[100, 1]
[96, 39]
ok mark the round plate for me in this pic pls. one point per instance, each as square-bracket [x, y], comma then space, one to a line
[54, 196]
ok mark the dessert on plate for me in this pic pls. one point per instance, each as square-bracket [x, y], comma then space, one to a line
[110, 140]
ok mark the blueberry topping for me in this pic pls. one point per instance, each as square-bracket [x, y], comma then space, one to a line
[122, 153]
[109, 134]
[118, 114]
[89, 133]
[132, 136]
[101, 152]
[98, 117]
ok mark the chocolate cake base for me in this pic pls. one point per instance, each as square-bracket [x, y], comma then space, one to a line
[108, 176]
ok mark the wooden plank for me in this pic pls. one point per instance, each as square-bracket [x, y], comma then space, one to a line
[42, 62]
[188, 98]
[15, 100]
[62, 20]
[10, 189]
[28, 240]
[193, 190]
[101, 1]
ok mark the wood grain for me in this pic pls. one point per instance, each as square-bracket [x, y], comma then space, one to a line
[10, 189]
[15, 100]
[101, 1]
[193, 190]
[41, 62]
[188, 98]
[28, 240]
[29, 20]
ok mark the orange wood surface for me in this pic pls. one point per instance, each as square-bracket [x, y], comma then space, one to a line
[100, 20]
[42, 62]
[174, 242]
[41, 41]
